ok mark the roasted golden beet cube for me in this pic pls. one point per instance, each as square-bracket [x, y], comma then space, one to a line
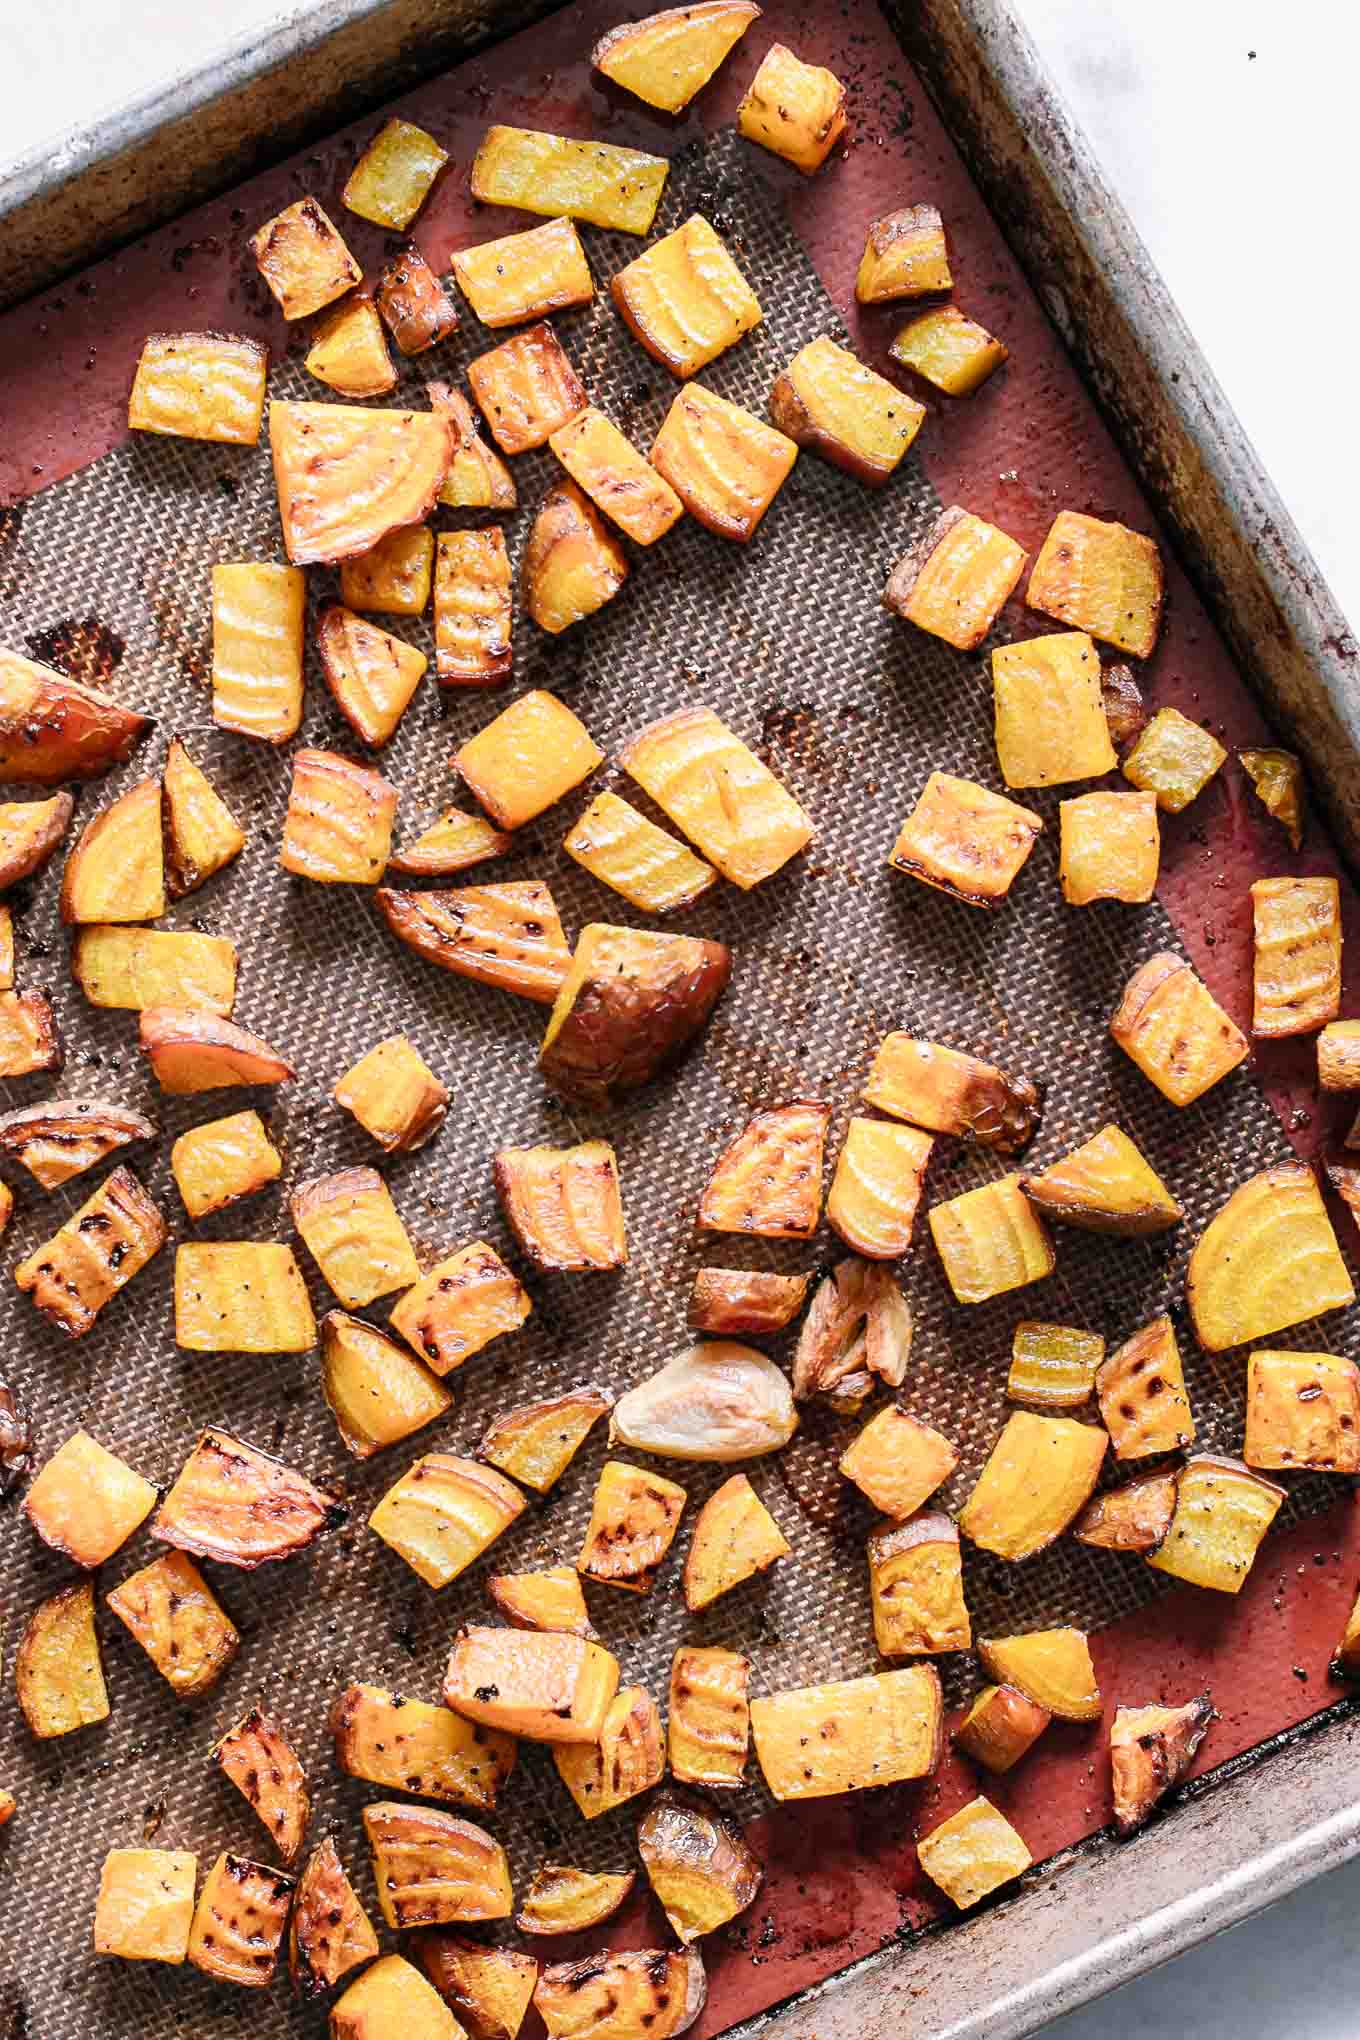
[877, 1187]
[113, 1235]
[549, 174]
[191, 1051]
[633, 1520]
[1106, 1185]
[413, 304]
[53, 729]
[86, 1502]
[465, 1302]
[1051, 1667]
[572, 563]
[628, 1009]
[795, 110]
[532, 754]
[887, 1728]
[616, 478]
[973, 1853]
[263, 1766]
[656, 1991]
[898, 1462]
[905, 256]
[1050, 719]
[636, 859]
[1277, 780]
[338, 828]
[1173, 758]
[453, 843]
[1297, 958]
[526, 388]
[1125, 710]
[1000, 1727]
[990, 1240]
[354, 1234]
[349, 352]
[949, 350]
[956, 579]
[239, 1922]
[719, 793]
[541, 1684]
[145, 1905]
[1171, 1025]
[241, 1296]
[948, 1092]
[115, 870]
[1053, 1367]
[668, 57]
[506, 935]
[1135, 1517]
[443, 1514]
[133, 968]
[709, 1728]
[832, 404]
[392, 179]
[30, 830]
[240, 1506]
[538, 1441]
[1223, 1511]
[58, 1675]
[347, 474]
[394, 1096]
[489, 1988]
[472, 608]
[564, 1205]
[728, 1300]
[1142, 1396]
[1151, 1750]
[1039, 1473]
[965, 840]
[726, 465]
[858, 1328]
[201, 832]
[916, 1585]
[541, 1600]
[407, 1745]
[701, 1870]
[1269, 1259]
[392, 2001]
[561, 1900]
[626, 1758]
[685, 299]
[735, 1537]
[200, 386]
[371, 674]
[525, 276]
[768, 1181]
[1303, 1410]
[303, 258]
[29, 1041]
[329, 1932]
[477, 477]
[257, 618]
[1102, 578]
[1111, 848]
[375, 1391]
[1338, 1056]
[171, 1611]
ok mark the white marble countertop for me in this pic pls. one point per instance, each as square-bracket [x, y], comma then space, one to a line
[1227, 128]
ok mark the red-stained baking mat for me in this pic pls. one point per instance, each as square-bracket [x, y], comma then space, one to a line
[104, 566]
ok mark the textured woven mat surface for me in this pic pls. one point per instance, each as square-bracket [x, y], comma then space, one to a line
[787, 641]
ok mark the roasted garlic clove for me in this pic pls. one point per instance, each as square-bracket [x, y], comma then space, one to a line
[191, 1051]
[732, 1300]
[52, 729]
[58, 1675]
[538, 1441]
[561, 1900]
[858, 1324]
[628, 1757]
[505, 935]
[1151, 1749]
[263, 1766]
[719, 1401]
[564, 1205]
[633, 1520]
[329, 1932]
[407, 1745]
[63, 1137]
[238, 1505]
[112, 1236]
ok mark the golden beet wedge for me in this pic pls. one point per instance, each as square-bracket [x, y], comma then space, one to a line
[30, 830]
[544, 1685]
[956, 579]
[973, 1853]
[133, 968]
[905, 256]
[526, 388]
[684, 299]
[628, 1009]
[949, 350]
[1174, 759]
[525, 276]
[1106, 1185]
[58, 1674]
[633, 1520]
[86, 1502]
[541, 1600]
[394, 1095]
[990, 1240]
[538, 1441]
[829, 402]
[525, 760]
[116, 869]
[393, 577]
[898, 1462]
[191, 1051]
[258, 612]
[608, 468]
[593, 181]
[1102, 578]
[1223, 1511]
[349, 352]
[407, 1745]
[1277, 781]
[392, 1999]
[1000, 1727]
[564, 1205]
[170, 1610]
[346, 475]
[964, 840]
[465, 1302]
[1051, 1667]
[735, 1300]
[477, 477]
[241, 1296]
[877, 1187]
[666, 58]
[1171, 1025]
[472, 608]
[1111, 848]
[793, 109]
[265, 1769]
[1050, 719]
[947, 1092]
[371, 674]
[655, 1991]
[391, 180]
[701, 1871]
[303, 259]
[453, 843]
[768, 1181]
[507, 935]
[353, 1232]
[709, 1729]
[636, 859]
[29, 1041]
[52, 729]
[1053, 1367]
[239, 1922]
[202, 835]
[1303, 1410]
[1269, 1259]
[719, 794]
[338, 828]
[112, 1236]
[1142, 1396]
[1338, 1056]
[573, 564]
[488, 1987]
[373, 1388]
[414, 306]
[329, 1933]
[1297, 956]
[852, 1734]
[1135, 1517]
[735, 1537]
[916, 1587]
[239, 1506]
[1151, 1750]
[146, 1904]
[1039, 1473]
[726, 465]
[561, 1900]
[200, 386]
[627, 1757]
[443, 1513]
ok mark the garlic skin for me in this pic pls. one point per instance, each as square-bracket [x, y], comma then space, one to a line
[719, 1401]
[858, 1326]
